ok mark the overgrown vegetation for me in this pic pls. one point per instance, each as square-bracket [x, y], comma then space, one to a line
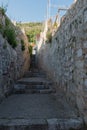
[30, 49]
[9, 33]
[31, 34]
[29, 25]
[3, 9]
[8, 30]
[49, 32]
[1, 29]
[49, 37]
[7, 22]
[32, 30]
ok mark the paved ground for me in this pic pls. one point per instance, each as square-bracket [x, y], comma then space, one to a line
[35, 106]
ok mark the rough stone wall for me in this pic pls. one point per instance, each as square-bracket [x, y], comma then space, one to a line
[13, 62]
[13, 65]
[65, 59]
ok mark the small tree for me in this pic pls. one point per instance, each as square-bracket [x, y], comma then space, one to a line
[3, 9]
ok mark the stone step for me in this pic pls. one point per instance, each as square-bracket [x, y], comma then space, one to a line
[36, 72]
[21, 86]
[32, 91]
[34, 82]
[41, 124]
[37, 86]
[34, 75]
[45, 91]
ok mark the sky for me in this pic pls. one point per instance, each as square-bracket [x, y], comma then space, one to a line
[31, 10]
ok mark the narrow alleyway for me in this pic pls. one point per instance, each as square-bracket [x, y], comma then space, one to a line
[34, 106]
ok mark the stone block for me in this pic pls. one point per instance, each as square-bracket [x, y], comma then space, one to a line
[79, 64]
[64, 124]
[79, 53]
[85, 44]
[85, 16]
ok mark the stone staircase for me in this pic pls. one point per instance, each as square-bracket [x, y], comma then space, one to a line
[34, 106]
[34, 81]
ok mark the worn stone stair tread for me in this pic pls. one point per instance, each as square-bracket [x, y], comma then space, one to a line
[34, 81]
[37, 86]
[32, 91]
[41, 124]
[36, 71]
[33, 86]
[44, 91]
[35, 75]
[47, 91]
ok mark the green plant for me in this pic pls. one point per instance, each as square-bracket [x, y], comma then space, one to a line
[32, 33]
[7, 21]
[1, 29]
[10, 35]
[30, 49]
[49, 37]
[22, 45]
[55, 25]
[3, 9]
[32, 29]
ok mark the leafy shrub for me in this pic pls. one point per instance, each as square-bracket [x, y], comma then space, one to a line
[3, 9]
[1, 29]
[7, 21]
[31, 29]
[9, 33]
[32, 33]
[22, 45]
[49, 37]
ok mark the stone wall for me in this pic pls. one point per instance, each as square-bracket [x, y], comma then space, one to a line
[13, 62]
[65, 59]
[13, 65]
